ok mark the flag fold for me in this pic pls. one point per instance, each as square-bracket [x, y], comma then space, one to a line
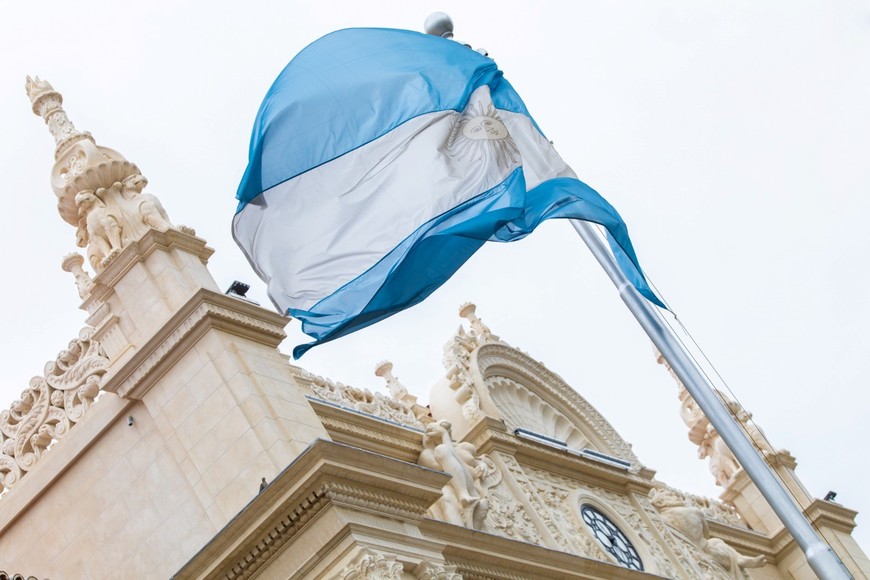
[380, 161]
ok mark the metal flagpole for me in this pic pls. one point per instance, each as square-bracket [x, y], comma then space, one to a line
[822, 559]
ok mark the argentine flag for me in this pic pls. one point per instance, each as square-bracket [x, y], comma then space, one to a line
[380, 161]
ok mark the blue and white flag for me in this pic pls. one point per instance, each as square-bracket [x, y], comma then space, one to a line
[380, 161]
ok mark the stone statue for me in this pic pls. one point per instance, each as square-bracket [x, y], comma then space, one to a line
[692, 523]
[97, 227]
[723, 464]
[463, 502]
[98, 190]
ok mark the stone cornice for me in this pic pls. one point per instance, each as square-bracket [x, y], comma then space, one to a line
[139, 250]
[205, 310]
[369, 433]
[547, 458]
[327, 473]
[478, 555]
[744, 540]
[501, 359]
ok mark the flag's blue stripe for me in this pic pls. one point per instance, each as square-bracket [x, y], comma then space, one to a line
[428, 257]
[353, 86]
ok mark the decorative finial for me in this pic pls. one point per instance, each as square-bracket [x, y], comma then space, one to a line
[73, 263]
[439, 24]
[384, 369]
[46, 103]
[98, 191]
[479, 330]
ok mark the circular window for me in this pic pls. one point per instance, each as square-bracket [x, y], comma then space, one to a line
[611, 538]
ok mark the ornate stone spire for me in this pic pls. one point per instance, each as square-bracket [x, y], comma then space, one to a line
[723, 465]
[97, 189]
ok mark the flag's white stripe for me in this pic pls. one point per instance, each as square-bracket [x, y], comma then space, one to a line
[312, 234]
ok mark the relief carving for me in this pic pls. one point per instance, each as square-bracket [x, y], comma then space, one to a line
[50, 406]
[371, 565]
[498, 362]
[430, 571]
[463, 502]
[507, 516]
[112, 217]
[457, 354]
[691, 522]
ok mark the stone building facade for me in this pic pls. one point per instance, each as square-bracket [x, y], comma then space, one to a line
[135, 453]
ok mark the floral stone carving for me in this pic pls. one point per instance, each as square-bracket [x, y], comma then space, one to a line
[463, 502]
[50, 406]
[371, 565]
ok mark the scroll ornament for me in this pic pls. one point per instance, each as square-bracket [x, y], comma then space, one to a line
[50, 406]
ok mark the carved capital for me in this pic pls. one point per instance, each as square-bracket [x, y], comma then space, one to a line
[372, 565]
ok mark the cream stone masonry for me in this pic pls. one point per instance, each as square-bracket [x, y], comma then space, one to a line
[197, 405]
[173, 439]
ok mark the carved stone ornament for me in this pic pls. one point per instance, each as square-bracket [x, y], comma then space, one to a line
[361, 400]
[98, 190]
[692, 523]
[73, 263]
[463, 502]
[723, 465]
[430, 571]
[400, 393]
[50, 406]
[372, 565]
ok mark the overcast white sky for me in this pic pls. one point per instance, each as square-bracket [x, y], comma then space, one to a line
[732, 136]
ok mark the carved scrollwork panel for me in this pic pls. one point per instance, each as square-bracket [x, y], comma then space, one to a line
[50, 406]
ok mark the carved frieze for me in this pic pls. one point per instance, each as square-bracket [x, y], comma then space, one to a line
[507, 515]
[50, 406]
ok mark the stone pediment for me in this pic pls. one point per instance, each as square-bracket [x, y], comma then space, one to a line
[486, 377]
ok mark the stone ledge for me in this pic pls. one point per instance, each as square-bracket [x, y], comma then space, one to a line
[326, 474]
[138, 250]
[479, 555]
[205, 310]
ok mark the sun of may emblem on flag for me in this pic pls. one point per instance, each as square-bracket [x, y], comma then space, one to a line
[480, 133]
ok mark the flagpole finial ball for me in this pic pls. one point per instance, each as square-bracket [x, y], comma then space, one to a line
[439, 24]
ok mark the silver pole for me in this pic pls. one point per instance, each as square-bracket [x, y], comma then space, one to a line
[822, 559]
